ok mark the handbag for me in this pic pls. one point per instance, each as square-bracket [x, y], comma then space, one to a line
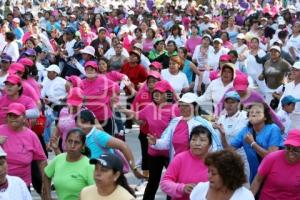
[126, 166]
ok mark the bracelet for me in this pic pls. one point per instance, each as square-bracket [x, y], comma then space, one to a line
[252, 144]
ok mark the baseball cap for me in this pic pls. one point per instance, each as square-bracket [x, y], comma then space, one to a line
[138, 45]
[26, 62]
[275, 47]
[16, 20]
[241, 36]
[30, 52]
[110, 161]
[2, 152]
[163, 86]
[156, 65]
[157, 40]
[13, 79]
[16, 108]
[240, 82]
[277, 41]
[136, 53]
[16, 67]
[293, 138]
[154, 74]
[75, 80]
[188, 98]
[92, 64]
[53, 68]
[225, 58]
[70, 30]
[289, 99]
[75, 97]
[6, 57]
[232, 95]
[207, 36]
[296, 65]
[88, 50]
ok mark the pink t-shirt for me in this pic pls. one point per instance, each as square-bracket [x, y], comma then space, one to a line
[180, 139]
[97, 93]
[29, 91]
[192, 42]
[22, 148]
[282, 180]
[185, 168]
[114, 76]
[148, 45]
[34, 84]
[66, 122]
[158, 118]
[5, 101]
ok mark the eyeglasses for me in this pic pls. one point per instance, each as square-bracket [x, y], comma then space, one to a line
[294, 69]
[293, 149]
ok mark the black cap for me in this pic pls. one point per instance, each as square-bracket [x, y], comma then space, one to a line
[110, 161]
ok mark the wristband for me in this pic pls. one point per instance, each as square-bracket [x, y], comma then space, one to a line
[252, 144]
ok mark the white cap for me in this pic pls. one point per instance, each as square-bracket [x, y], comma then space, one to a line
[296, 65]
[53, 68]
[241, 36]
[208, 16]
[211, 25]
[277, 41]
[281, 20]
[208, 36]
[275, 47]
[2, 152]
[88, 50]
[218, 40]
[16, 20]
[138, 45]
[188, 98]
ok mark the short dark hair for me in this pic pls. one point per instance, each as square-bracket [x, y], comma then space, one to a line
[87, 116]
[10, 36]
[230, 167]
[201, 130]
[267, 112]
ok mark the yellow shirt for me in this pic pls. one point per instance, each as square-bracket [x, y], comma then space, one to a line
[91, 193]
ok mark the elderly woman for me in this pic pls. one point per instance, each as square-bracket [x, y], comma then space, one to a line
[110, 180]
[217, 88]
[175, 76]
[11, 187]
[158, 50]
[259, 138]
[226, 178]
[72, 167]
[175, 136]
[14, 94]
[278, 174]
[178, 181]
[21, 145]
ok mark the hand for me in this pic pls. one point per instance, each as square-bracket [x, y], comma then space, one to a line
[188, 188]
[138, 174]
[151, 139]
[54, 142]
[3, 139]
[249, 138]
[74, 61]
[220, 127]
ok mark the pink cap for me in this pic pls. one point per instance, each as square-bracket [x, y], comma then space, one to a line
[16, 108]
[92, 64]
[225, 58]
[13, 79]
[75, 97]
[154, 74]
[213, 75]
[75, 80]
[240, 82]
[293, 138]
[156, 65]
[16, 67]
[163, 86]
[26, 61]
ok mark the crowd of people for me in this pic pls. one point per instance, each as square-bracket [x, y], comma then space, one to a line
[214, 89]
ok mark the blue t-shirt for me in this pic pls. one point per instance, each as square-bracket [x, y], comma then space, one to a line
[269, 136]
[188, 71]
[97, 141]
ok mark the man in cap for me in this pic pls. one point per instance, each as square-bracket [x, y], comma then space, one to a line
[274, 72]
[144, 60]
[100, 44]
[70, 37]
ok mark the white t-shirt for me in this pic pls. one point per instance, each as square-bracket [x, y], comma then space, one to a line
[199, 193]
[55, 90]
[2, 79]
[17, 190]
[69, 47]
[254, 69]
[285, 119]
[111, 52]
[178, 82]
[214, 57]
[12, 49]
[294, 42]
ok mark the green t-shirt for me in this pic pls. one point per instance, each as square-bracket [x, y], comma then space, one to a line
[69, 178]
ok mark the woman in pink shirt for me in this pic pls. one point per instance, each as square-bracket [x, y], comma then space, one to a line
[278, 175]
[98, 92]
[148, 43]
[14, 94]
[87, 36]
[157, 115]
[193, 40]
[188, 168]
[21, 145]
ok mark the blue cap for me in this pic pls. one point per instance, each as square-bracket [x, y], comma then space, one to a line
[70, 30]
[289, 99]
[232, 95]
[6, 57]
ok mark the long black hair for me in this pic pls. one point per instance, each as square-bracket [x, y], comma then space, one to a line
[122, 181]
